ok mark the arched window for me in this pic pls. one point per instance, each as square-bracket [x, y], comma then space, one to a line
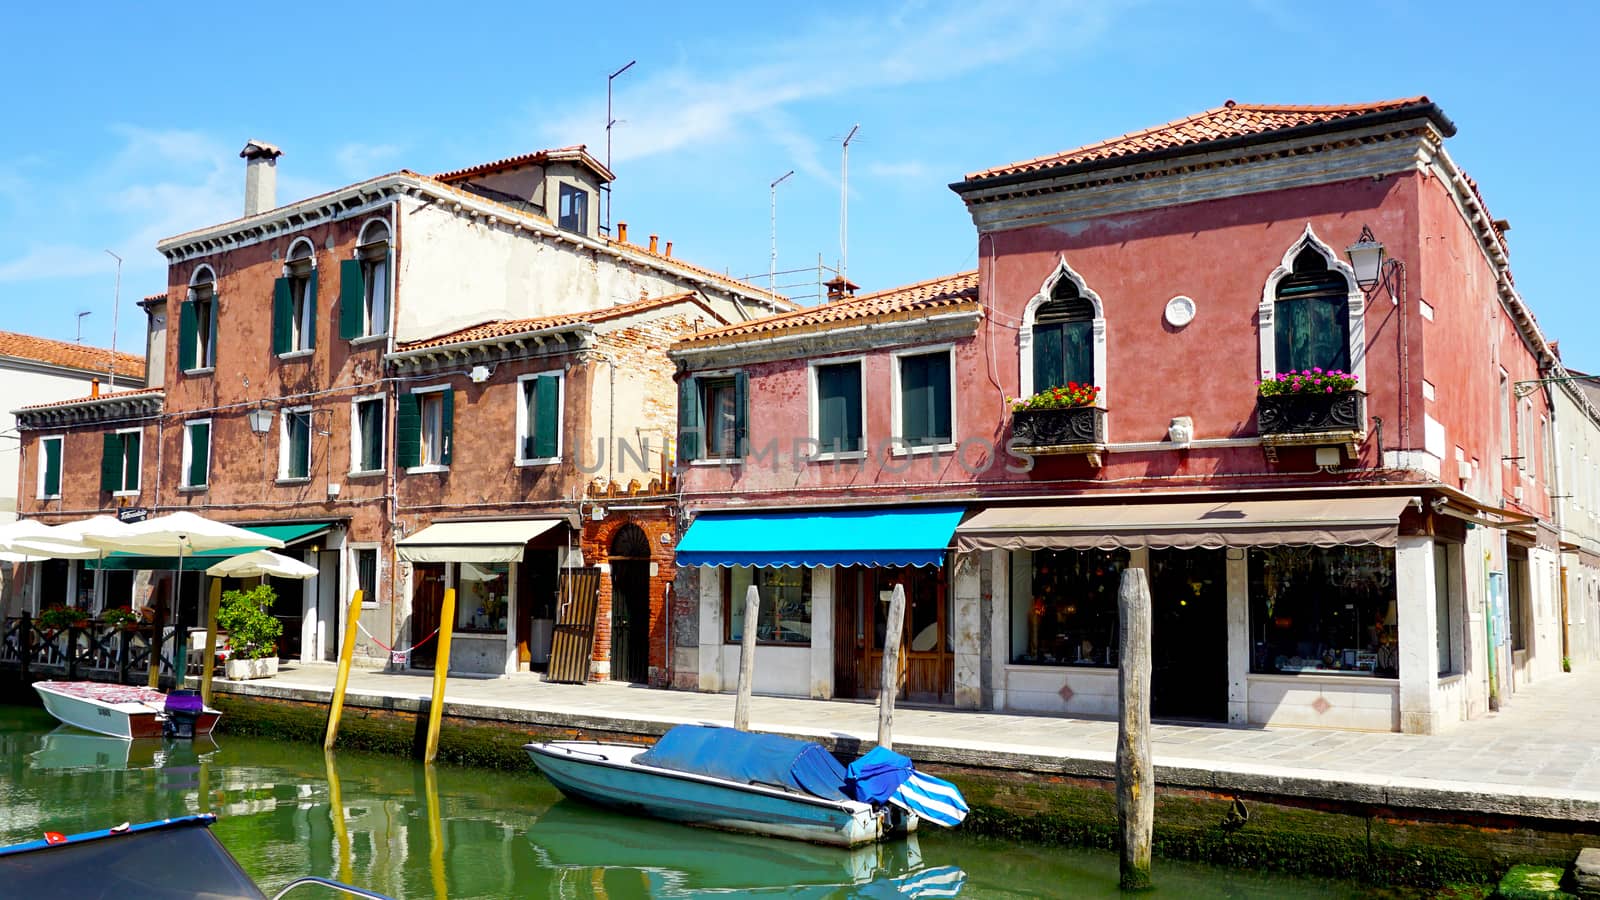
[364, 284]
[294, 301]
[1063, 338]
[1311, 322]
[197, 323]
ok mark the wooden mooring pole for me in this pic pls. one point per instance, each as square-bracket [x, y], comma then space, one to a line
[347, 653]
[441, 667]
[208, 663]
[747, 659]
[1136, 799]
[889, 682]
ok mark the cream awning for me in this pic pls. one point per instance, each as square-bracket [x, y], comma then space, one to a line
[1323, 522]
[492, 541]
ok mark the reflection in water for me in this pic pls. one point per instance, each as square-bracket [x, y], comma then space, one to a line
[287, 810]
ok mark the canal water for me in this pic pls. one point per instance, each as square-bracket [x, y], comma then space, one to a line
[408, 831]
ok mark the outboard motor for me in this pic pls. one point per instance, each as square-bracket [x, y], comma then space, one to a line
[182, 709]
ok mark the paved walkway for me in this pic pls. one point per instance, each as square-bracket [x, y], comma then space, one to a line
[1538, 756]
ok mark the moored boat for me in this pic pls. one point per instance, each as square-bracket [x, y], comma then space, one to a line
[127, 711]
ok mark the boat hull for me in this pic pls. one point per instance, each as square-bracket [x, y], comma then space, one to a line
[115, 710]
[606, 774]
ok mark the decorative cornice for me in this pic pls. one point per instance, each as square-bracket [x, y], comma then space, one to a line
[108, 409]
[954, 324]
[544, 342]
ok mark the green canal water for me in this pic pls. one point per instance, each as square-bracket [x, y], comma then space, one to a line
[454, 832]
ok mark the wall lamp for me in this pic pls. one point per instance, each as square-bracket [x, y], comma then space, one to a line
[1524, 388]
[260, 420]
[1372, 267]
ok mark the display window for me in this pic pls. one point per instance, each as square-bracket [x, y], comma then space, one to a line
[483, 593]
[784, 616]
[1064, 607]
[1323, 609]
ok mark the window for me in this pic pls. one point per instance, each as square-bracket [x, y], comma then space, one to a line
[485, 592]
[366, 435]
[1063, 338]
[838, 422]
[713, 416]
[294, 302]
[423, 428]
[539, 418]
[119, 462]
[1444, 605]
[49, 468]
[1311, 316]
[784, 616]
[574, 211]
[1064, 607]
[1524, 451]
[366, 566]
[1505, 415]
[924, 394]
[294, 444]
[196, 453]
[1517, 596]
[197, 323]
[364, 285]
[1323, 609]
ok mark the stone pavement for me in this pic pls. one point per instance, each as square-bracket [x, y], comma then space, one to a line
[1539, 756]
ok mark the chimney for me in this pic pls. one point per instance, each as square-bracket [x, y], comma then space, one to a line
[669, 248]
[622, 232]
[260, 176]
[653, 239]
[94, 387]
[839, 288]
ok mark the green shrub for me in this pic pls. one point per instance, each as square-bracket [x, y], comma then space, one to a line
[252, 631]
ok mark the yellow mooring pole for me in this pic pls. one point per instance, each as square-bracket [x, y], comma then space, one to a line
[209, 662]
[347, 653]
[441, 666]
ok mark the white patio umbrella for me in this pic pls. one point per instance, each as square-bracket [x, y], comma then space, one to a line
[32, 538]
[262, 562]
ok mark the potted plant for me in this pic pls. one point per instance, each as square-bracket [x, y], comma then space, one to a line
[253, 632]
[1309, 401]
[119, 618]
[1058, 416]
[59, 618]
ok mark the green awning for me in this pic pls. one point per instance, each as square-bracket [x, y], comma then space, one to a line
[121, 562]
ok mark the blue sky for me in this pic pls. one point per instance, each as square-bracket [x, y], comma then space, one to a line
[122, 126]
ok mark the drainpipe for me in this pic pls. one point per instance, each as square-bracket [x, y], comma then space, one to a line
[1488, 625]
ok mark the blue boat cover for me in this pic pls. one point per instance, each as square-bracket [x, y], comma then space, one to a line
[749, 759]
[885, 536]
[875, 777]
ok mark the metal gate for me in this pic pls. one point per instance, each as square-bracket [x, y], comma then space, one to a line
[574, 638]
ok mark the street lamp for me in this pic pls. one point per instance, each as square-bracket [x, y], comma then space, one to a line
[260, 420]
[1366, 257]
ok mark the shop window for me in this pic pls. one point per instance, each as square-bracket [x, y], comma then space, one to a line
[197, 323]
[1516, 597]
[294, 302]
[539, 418]
[196, 453]
[50, 468]
[1064, 611]
[364, 285]
[1311, 316]
[784, 616]
[1323, 609]
[923, 395]
[119, 461]
[838, 424]
[366, 435]
[294, 444]
[713, 416]
[1063, 338]
[483, 592]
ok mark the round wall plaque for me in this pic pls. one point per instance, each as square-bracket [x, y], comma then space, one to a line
[1180, 311]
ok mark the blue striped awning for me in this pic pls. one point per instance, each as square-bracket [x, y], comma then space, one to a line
[885, 536]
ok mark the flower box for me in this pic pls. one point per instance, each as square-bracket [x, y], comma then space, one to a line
[243, 669]
[1311, 413]
[1063, 430]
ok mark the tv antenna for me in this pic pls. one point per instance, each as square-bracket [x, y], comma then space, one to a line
[772, 266]
[610, 122]
[844, 202]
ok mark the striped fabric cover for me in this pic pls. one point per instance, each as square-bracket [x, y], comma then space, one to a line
[932, 799]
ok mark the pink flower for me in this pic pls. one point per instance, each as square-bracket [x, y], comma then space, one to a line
[1330, 390]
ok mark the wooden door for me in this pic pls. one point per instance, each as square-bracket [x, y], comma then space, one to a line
[848, 637]
[927, 670]
[427, 597]
[575, 614]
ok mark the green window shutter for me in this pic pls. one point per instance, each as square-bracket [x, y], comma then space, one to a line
[199, 454]
[371, 423]
[188, 330]
[408, 431]
[299, 445]
[839, 407]
[282, 316]
[352, 298]
[111, 462]
[939, 396]
[1077, 352]
[311, 309]
[741, 414]
[447, 414]
[52, 468]
[546, 416]
[1047, 362]
[130, 449]
[211, 358]
[914, 424]
[691, 430]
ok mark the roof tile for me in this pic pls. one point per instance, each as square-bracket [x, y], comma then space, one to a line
[67, 355]
[924, 296]
[108, 395]
[506, 327]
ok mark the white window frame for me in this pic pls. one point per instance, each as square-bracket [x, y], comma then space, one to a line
[356, 437]
[61, 463]
[814, 400]
[1355, 308]
[1031, 312]
[301, 320]
[899, 447]
[188, 454]
[422, 446]
[352, 575]
[138, 463]
[523, 420]
[207, 351]
[371, 329]
[283, 444]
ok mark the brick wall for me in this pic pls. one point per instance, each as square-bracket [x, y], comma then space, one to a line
[597, 541]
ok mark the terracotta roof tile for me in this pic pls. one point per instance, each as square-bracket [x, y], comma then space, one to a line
[501, 328]
[578, 153]
[922, 297]
[1231, 120]
[67, 355]
[105, 395]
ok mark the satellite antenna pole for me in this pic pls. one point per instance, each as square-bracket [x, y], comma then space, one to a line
[80, 326]
[844, 204]
[772, 265]
[116, 306]
[610, 122]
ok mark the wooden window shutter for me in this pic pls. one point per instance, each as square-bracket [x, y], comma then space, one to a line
[311, 309]
[188, 336]
[691, 430]
[130, 449]
[52, 468]
[111, 462]
[210, 358]
[282, 317]
[352, 298]
[447, 414]
[408, 430]
[547, 416]
[199, 453]
[1048, 364]
[741, 413]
